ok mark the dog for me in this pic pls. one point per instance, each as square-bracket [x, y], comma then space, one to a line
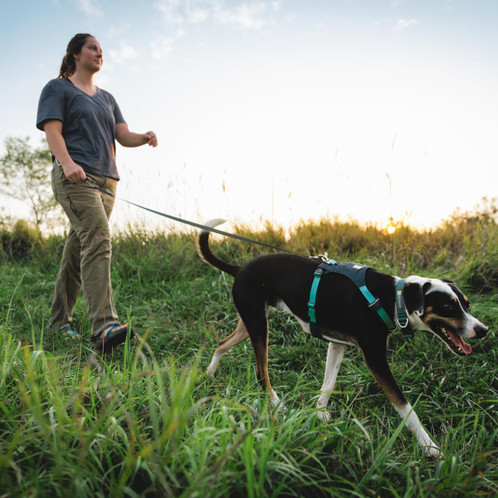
[345, 318]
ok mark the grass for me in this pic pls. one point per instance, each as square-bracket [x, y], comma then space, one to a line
[147, 421]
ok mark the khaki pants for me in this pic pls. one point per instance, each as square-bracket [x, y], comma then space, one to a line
[86, 260]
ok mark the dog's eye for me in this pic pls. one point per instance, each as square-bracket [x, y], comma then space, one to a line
[448, 307]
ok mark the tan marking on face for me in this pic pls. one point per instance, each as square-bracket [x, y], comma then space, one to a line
[453, 323]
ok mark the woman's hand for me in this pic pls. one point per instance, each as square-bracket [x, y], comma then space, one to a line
[151, 138]
[128, 138]
[53, 130]
[74, 173]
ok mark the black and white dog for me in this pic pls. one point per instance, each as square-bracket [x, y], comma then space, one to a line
[283, 281]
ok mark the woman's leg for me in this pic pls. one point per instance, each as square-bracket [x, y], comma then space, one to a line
[88, 211]
[68, 283]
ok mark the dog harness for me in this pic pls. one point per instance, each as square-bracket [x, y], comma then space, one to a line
[356, 273]
[401, 318]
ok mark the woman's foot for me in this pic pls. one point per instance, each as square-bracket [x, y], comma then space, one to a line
[67, 331]
[110, 335]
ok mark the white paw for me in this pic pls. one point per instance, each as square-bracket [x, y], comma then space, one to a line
[433, 452]
[282, 408]
[323, 415]
[211, 369]
[276, 403]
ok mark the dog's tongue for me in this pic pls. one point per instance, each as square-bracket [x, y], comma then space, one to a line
[458, 341]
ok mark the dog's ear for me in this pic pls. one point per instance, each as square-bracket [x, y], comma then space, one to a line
[414, 293]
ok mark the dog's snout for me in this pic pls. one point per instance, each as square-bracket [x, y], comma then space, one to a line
[480, 331]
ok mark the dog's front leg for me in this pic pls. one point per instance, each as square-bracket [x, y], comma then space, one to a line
[377, 364]
[415, 426]
[335, 353]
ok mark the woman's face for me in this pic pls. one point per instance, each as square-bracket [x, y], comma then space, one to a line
[90, 58]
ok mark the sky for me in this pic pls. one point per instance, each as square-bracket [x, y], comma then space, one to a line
[279, 110]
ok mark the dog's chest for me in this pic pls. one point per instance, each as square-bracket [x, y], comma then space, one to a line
[328, 335]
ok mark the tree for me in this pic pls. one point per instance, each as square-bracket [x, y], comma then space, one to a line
[25, 175]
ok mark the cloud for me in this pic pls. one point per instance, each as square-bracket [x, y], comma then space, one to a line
[118, 30]
[181, 14]
[404, 24]
[197, 15]
[241, 14]
[245, 15]
[162, 46]
[170, 10]
[276, 4]
[90, 7]
[123, 53]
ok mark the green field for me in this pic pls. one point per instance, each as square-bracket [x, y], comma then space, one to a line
[147, 421]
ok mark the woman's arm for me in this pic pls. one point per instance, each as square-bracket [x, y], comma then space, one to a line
[129, 139]
[57, 144]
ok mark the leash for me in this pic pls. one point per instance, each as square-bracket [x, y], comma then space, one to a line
[327, 266]
[91, 183]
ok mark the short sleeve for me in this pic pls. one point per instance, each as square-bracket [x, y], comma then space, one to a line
[50, 105]
[118, 116]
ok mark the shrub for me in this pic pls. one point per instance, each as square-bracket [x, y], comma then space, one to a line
[22, 242]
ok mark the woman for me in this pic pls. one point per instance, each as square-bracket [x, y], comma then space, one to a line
[81, 123]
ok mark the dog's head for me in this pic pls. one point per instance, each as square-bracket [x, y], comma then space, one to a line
[440, 307]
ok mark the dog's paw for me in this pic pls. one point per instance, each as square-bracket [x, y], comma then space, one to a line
[276, 402]
[433, 453]
[281, 409]
[211, 369]
[323, 415]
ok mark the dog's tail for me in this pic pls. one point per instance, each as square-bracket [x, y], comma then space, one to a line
[206, 254]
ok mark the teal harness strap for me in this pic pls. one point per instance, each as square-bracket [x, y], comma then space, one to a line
[401, 317]
[312, 299]
[375, 305]
[356, 273]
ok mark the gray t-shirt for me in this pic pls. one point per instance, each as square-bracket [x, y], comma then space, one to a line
[88, 124]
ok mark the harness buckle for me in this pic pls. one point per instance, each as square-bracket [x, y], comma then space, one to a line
[376, 305]
[400, 312]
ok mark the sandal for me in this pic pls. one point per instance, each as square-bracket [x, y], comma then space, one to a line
[115, 334]
[69, 332]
